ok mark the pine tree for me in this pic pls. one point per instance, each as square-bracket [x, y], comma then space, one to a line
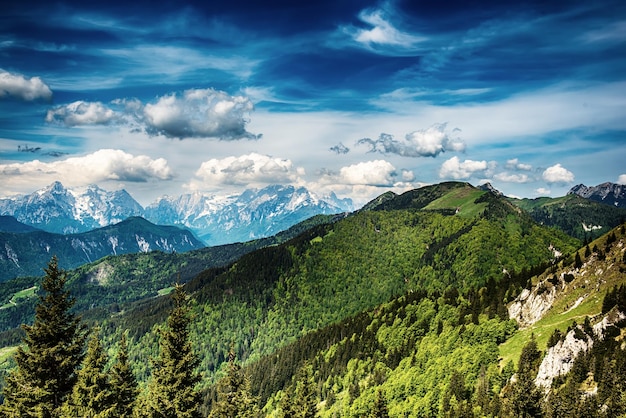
[300, 400]
[525, 399]
[380, 406]
[234, 399]
[92, 395]
[172, 389]
[123, 383]
[46, 368]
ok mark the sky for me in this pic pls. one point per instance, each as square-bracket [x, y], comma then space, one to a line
[351, 97]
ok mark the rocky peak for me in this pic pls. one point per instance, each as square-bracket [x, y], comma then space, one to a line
[608, 193]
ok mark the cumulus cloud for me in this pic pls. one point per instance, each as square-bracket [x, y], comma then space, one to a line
[514, 164]
[364, 181]
[459, 170]
[82, 113]
[428, 142]
[340, 149]
[102, 165]
[371, 173]
[199, 113]
[250, 169]
[557, 174]
[621, 179]
[196, 113]
[542, 191]
[20, 87]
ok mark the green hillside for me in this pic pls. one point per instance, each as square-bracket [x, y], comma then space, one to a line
[274, 295]
[402, 303]
[579, 217]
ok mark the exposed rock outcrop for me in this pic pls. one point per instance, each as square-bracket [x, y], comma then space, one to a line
[559, 359]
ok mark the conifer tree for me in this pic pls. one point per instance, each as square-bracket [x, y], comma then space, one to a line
[172, 389]
[46, 368]
[234, 399]
[123, 383]
[380, 406]
[300, 400]
[525, 399]
[92, 395]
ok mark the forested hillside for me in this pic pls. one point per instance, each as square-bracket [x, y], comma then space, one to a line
[400, 307]
[579, 217]
[275, 295]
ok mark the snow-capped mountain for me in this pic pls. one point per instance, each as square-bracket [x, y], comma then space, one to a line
[215, 219]
[607, 193]
[61, 210]
[253, 214]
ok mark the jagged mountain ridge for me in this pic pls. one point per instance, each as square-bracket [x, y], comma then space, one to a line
[253, 214]
[21, 254]
[607, 193]
[215, 219]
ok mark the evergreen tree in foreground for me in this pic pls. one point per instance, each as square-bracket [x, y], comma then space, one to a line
[123, 383]
[172, 390]
[234, 399]
[92, 395]
[46, 368]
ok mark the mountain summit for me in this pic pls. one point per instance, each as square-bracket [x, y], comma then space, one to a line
[255, 213]
[608, 193]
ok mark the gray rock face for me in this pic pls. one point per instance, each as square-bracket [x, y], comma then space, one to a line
[559, 359]
[608, 193]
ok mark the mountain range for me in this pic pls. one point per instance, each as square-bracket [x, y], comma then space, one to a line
[255, 213]
[422, 299]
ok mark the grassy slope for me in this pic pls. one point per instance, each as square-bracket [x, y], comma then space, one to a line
[582, 297]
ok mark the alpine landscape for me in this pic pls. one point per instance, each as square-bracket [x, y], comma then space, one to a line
[328, 209]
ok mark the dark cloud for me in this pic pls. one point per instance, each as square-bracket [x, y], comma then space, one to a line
[340, 149]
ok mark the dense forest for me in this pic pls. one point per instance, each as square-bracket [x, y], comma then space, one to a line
[398, 310]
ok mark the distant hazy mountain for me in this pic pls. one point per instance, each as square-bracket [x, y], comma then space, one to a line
[253, 214]
[607, 193]
[215, 219]
[10, 224]
[24, 254]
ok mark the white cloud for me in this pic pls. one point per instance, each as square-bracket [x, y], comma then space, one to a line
[102, 165]
[557, 174]
[197, 113]
[246, 170]
[459, 170]
[621, 179]
[512, 178]
[82, 113]
[364, 181]
[514, 164]
[543, 191]
[368, 173]
[428, 142]
[28, 89]
[382, 31]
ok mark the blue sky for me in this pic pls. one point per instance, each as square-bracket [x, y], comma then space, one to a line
[355, 97]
